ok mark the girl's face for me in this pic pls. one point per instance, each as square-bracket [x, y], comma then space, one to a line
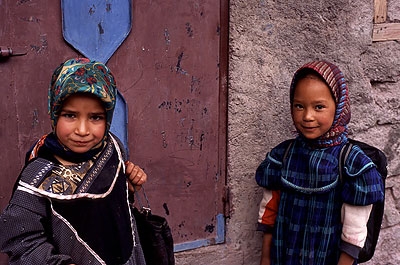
[81, 124]
[313, 109]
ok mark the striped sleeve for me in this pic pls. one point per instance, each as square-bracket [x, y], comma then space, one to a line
[268, 210]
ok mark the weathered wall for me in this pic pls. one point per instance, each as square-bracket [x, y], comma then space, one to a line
[269, 40]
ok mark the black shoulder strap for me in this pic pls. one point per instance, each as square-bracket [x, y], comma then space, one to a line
[287, 152]
[344, 153]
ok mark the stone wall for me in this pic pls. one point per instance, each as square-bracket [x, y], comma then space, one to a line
[269, 40]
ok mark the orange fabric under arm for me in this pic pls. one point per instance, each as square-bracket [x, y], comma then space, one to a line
[269, 207]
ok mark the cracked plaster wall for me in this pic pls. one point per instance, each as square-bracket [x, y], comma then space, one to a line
[269, 40]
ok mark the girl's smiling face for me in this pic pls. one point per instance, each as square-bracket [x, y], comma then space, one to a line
[81, 122]
[313, 108]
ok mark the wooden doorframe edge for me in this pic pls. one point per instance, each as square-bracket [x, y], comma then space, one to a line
[383, 30]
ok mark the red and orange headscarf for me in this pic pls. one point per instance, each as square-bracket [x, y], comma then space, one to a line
[334, 78]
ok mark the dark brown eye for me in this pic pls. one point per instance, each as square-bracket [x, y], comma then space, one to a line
[298, 106]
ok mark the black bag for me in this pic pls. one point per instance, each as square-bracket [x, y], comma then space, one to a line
[376, 216]
[154, 234]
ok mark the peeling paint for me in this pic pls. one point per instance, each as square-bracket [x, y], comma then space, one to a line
[178, 68]
[181, 105]
[165, 105]
[204, 112]
[194, 84]
[201, 141]
[166, 37]
[181, 224]
[30, 19]
[165, 206]
[209, 228]
[108, 7]
[178, 106]
[164, 140]
[189, 30]
[21, 2]
[182, 122]
[188, 184]
[190, 137]
[92, 10]
[35, 118]
[43, 46]
[101, 29]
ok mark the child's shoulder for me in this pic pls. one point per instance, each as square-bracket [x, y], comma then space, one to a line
[279, 151]
[356, 153]
[285, 144]
[35, 171]
[293, 143]
[358, 161]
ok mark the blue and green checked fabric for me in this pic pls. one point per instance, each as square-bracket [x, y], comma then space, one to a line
[308, 226]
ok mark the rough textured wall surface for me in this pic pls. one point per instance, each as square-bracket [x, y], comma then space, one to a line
[269, 40]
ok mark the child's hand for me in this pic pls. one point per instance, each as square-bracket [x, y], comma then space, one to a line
[345, 259]
[136, 176]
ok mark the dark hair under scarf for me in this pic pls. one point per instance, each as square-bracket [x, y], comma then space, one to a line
[334, 78]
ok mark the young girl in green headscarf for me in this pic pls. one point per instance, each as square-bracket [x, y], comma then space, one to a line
[70, 203]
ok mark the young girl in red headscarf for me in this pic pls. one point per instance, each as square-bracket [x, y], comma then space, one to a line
[308, 216]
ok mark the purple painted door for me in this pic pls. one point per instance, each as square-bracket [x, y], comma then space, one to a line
[171, 70]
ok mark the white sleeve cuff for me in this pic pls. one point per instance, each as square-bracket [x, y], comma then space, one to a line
[355, 219]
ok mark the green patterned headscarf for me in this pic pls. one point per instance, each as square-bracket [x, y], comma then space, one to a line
[81, 76]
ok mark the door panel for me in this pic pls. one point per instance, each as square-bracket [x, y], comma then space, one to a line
[171, 86]
[168, 70]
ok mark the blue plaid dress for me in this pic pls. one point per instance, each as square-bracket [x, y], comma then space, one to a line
[308, 226]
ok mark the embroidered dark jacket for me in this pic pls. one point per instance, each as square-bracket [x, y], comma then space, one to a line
[54, 217]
